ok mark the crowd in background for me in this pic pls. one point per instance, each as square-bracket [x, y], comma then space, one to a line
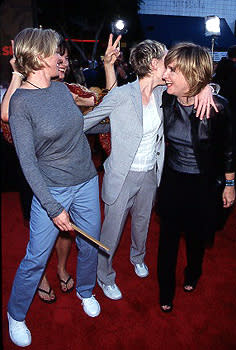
[91, 74]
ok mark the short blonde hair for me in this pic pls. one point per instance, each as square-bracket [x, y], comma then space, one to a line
[32, 43]
[142, 54]
[194, 62]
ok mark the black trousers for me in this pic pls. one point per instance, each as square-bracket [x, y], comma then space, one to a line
[187, 203]
[167, 259]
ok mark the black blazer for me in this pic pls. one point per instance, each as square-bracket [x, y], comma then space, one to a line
[212, 138]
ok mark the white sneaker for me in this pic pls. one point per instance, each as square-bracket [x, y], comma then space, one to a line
[18, 331]
[90, 305]
[141, 270]
[111, 291]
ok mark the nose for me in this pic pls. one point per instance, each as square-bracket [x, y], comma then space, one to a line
[165, 74]
[60, 61]
[64, 62]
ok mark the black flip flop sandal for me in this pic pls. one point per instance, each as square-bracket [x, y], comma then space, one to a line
[66, 283]
[48, 293]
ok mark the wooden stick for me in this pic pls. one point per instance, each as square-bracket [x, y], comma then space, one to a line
[89, 237]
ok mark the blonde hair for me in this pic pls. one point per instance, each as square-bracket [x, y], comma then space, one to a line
[141, 56]
[194, 62]
[34, 43]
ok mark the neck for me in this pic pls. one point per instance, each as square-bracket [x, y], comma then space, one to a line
[146, 86]
[185, 101]
[38, 79]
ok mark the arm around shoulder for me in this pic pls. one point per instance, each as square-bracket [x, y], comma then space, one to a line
[15, 83]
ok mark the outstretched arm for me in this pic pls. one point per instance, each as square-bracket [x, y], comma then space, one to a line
[111, 54]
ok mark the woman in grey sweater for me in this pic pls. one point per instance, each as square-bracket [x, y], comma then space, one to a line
[47, 129]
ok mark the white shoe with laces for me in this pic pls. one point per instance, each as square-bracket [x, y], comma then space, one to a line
[111, 291]
[18, 331]
[141, 270]
[90, 305]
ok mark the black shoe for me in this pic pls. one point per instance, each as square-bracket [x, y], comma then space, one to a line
[47, 301]
[168, 307]
[192, 285]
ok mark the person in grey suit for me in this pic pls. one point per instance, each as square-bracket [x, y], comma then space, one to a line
[133, 169]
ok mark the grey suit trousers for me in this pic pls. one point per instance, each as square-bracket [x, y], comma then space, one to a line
[137, 197]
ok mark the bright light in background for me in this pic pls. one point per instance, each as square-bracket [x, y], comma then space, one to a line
[212, 28]
[120, 24]
[212, 25]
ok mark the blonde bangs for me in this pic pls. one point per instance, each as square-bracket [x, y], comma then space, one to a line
[32, 43]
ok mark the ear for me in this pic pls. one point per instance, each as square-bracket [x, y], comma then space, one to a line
[41, 61]
[154, 64]
[40, 58]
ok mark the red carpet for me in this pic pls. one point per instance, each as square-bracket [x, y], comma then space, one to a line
[203, 320]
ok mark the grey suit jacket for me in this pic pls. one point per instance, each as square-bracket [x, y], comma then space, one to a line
[124, 107]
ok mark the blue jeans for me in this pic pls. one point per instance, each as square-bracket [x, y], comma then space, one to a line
[82, 203]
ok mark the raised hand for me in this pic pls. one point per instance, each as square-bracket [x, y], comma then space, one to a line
[112, 51]
[13, 59]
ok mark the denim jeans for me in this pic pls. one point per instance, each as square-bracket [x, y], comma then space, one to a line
[82, 203]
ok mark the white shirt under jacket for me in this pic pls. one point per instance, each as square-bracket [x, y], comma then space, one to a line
[145, 157]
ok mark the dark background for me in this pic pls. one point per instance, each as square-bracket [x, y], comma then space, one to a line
[73, 19]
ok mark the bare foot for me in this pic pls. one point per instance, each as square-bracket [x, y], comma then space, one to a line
[45, 292]
[66, 281]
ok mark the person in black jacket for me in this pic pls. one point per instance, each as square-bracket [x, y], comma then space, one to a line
[198, 177]
[225, 76]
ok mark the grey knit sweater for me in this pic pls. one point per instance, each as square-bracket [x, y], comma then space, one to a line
[47, 129]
